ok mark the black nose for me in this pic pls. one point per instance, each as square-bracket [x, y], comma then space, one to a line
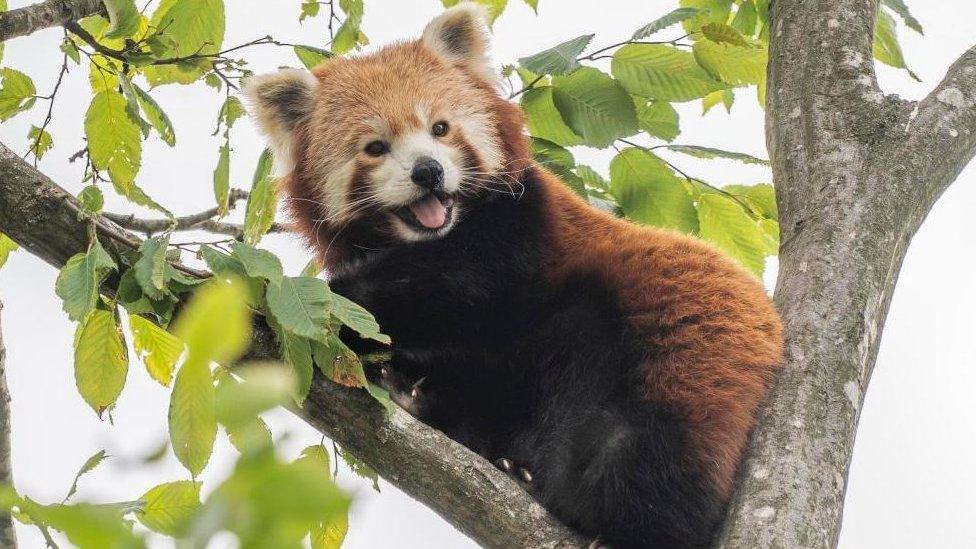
[428, 173]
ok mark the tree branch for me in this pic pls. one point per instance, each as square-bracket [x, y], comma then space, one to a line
[466, 490]
[8, 537]
[942, 131]
[52, 13]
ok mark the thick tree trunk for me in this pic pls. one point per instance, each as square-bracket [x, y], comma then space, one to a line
[856, 172]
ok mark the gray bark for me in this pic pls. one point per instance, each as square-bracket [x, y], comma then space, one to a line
[466, 490]
[8, 538]
[856, 172]
[52, 13]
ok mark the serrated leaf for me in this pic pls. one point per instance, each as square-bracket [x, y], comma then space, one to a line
[114, 144]
[70, 49]
[761, 196]
[595, 106]
[899, 7]
[712, 153]
[726, 97]
[157, 118]
[169, 506]
[720, 33]
[17, 93]
[309, 8]
[338, 362]
[591, 178]
[724, 223]
[103, 73]
[124, 18]
[559, 59]
[350, 34]
[258, 263]
[192, 418]
[158, 349]
[672, 18]
[221, 180]
[262, 201]
[297, 351]
[886, 47]
[544, 120]
[746, 18]
[709, 11]
[101, 361]
[662, 72]
[150, 269]
[90, 464]
[79, 280]
[40, 141]
[91, 199]
[301, 305]
[311, 56]
[658, 118]
[189, 27]
[6, 246]
[648, 191]
[359, 319]
[231, 111]
[559, 161]
[732, 64]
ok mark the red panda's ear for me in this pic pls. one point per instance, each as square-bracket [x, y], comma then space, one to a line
[460, 37]
[279, 102]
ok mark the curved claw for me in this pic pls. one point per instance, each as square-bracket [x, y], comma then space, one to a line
[505, 464]
[525, 475]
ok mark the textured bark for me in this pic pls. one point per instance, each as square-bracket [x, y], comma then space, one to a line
[466, 490]
[52, 13]
[856, 172]
[8, 538]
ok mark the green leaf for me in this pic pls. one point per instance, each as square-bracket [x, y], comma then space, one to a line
[732, 64]
[658, 71]
[709, 11]
[186, 27]
[350, 34]
[559, 161]
[157, 118]
[248, 434]
[886, 46]
[231, 110]
[169, 506]
[595, 106]
[359, 319]
[297, 351]
[91, 199]
[359, 468]
[90, 464]
[258, 263]
[560, 59]
[658, 118]
[534, 4]
[124, 18]
[103, 73]
[591, 178]
[70, 49]
[40, 141]
[221, 180]
[301, 305]
[720, 33]
[311, 56]
[114, 143]
[158, 349]
[712, 153]
[85, 525]
[330, 535]
[17, 93]
[649, 192]
[724, 223]
[192, 416]
[310, 8]
[262, 201]
[762, 197]
[544, 121]
[79, 280]
[6, 246]
[726, 97]
[216, 324]
[746, 18]
[101, 361]
[672, 18]
[899, 7]
[150, 270]
[262, 387]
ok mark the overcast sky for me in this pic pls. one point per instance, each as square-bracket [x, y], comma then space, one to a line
[913, 474]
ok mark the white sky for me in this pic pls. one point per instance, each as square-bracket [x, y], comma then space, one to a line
[913, 462]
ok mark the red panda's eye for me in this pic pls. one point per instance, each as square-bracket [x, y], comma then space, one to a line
[439, 129]
[376, 148]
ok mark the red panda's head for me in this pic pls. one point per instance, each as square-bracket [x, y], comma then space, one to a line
[394, 146]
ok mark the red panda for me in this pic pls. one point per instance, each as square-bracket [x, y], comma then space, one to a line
[615, 369]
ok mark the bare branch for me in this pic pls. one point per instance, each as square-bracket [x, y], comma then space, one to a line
[942, 131]
[185, 223]
[8, 537]
[466, 490]
[52, 13]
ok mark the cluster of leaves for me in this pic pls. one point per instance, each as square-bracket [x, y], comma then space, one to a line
[570, 102]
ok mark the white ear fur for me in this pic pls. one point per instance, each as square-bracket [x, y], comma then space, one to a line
[279, 102]
[460, 36]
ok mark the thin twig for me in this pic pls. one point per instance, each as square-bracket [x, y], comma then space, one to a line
[50, 108]
[185, 223]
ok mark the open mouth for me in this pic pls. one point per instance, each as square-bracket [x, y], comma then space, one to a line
[429, 213]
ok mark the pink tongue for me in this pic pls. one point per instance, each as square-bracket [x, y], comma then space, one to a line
[430, 212]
